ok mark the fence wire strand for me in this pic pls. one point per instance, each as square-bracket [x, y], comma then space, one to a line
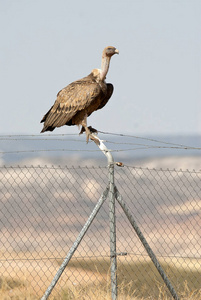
[122, 145]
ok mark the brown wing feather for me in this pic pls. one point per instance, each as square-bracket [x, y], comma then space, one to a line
[80, 96]
[104, 99]
[109, 93]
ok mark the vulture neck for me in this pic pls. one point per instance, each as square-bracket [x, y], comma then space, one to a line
[104, 67]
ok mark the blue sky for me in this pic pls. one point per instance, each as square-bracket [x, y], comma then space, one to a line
[47, 44]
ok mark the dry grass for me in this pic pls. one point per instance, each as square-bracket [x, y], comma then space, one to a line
[143, 278]
[12, 290]
[90, 280]
[15, 290]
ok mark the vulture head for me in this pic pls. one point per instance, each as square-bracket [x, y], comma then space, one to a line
[109, 51]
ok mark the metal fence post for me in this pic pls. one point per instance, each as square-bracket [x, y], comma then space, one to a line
[113, 257]
[112, 216]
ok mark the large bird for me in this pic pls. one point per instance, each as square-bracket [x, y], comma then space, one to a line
[81, 98]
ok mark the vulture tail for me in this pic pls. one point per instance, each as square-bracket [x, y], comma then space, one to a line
[49, 128]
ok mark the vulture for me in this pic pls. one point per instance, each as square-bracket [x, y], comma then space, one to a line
[81, 98]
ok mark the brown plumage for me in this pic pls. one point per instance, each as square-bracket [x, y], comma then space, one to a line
[81, 98]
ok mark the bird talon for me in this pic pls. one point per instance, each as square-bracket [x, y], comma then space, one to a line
[82, 130]
[90, 133]
[91, 129]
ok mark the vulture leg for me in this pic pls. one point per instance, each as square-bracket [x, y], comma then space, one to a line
[85, 128]
[89, 131]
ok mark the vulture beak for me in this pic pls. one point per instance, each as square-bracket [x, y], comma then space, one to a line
[116, 51]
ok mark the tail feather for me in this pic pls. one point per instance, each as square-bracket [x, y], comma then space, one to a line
[49, 128]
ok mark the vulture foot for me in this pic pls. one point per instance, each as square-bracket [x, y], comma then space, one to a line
[89, 133]
[92, 130]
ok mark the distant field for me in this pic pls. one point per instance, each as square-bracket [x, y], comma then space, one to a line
[138, 280]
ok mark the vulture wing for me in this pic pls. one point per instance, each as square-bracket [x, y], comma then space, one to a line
[78, 96]
[104, 101]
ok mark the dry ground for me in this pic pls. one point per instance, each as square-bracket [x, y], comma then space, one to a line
[90, 279]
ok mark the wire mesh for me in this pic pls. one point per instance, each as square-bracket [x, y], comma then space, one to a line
[43, 209]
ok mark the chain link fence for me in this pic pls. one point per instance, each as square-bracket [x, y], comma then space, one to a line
[43, 209]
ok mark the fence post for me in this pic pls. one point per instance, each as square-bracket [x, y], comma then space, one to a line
[113, 257]
[112, 217]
